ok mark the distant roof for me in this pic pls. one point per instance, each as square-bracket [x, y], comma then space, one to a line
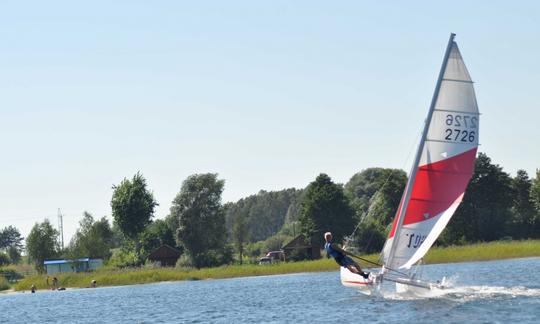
[164, 251]
[65, 261]
[297, 242]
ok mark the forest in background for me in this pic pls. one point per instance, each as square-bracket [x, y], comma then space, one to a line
[496, 206]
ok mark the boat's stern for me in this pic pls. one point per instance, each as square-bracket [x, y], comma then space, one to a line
[353, 280]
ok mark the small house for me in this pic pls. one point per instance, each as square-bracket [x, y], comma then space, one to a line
[300, 248]
[166, 255]
[74, 265]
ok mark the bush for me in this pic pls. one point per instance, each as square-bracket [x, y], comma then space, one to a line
[254, 250]
[184, 261]
[4, 284]
[121, 259]
[274, 243]
[10, 274]
[207, 259]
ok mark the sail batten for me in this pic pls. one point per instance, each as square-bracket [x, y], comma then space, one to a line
[443, 165]
[454, 80]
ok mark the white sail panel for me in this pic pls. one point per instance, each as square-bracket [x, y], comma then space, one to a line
[433, 228]
[455, 67]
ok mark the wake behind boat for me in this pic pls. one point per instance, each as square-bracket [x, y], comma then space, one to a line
[440, 173]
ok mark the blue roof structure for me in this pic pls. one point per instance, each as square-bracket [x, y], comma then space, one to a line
[46, 262]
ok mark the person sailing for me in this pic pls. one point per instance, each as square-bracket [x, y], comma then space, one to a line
[340, 255]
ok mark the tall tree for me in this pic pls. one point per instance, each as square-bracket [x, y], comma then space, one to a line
[240, 234]
[201, 220]
[14, 254]
[132, 207]
[363, 187]
[523, 212]
[10, 236]
[325, 208]
[93, 239]
[485, 210]
[42, 243]
[535, 199]
[264, 213]
[375, 194]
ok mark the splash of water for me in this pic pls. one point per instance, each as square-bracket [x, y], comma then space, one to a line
[465, 293]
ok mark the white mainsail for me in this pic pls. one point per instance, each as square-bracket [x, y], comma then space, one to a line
[443, 166]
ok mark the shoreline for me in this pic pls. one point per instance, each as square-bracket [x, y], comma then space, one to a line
[12, 291]
[492, 251]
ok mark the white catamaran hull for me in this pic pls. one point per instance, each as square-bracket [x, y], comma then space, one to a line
[372, 285]
[367, 286]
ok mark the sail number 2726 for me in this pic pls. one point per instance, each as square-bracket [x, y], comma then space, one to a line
[461, 128]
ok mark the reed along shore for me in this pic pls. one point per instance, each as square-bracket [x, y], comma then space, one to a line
[131, 276]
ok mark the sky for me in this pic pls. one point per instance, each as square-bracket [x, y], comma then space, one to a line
[268, 94]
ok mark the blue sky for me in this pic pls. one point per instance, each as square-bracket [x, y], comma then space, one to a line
[267, 94]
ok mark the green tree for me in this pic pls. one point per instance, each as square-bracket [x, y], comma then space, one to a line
[383, 187]
[375, 194]
[132, 207]
[370, 236]
[293, 211]
[42, 243]
[325, 208]
[484, 213]
[201, 220]
[14, 254]
[523, 212]
[4, 259]
[93, 239]
[11, 243]
[10, 236]
[274, 243]
[264, 213]
[535, 199]
[240, 234]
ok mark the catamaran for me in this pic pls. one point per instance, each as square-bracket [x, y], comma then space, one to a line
[442, 168]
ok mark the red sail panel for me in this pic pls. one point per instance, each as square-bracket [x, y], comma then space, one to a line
[436, 187]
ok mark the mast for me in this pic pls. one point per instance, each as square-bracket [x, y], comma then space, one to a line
[414, 168]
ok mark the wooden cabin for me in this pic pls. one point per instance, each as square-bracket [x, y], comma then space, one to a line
[166, 255]
[300, 249]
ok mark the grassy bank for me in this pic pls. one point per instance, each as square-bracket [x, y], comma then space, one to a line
[116, 277]
[484, 251]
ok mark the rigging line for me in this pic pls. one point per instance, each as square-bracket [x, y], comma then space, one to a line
[378, 264]
[366, 214]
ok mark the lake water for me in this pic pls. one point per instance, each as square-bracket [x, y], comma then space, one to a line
[485, 292]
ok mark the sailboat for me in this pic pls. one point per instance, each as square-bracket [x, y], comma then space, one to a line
[442, 168]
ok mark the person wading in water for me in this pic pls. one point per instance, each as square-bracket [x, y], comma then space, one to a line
[340, 255]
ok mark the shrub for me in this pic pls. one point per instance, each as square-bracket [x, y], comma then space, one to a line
[121, 259]
[10, 273]
[274, 243]
[213, 258]
[4, 284]
[254, 250]
[184, 261]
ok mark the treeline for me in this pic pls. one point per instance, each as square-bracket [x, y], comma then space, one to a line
[209, 233]
[496, 206]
